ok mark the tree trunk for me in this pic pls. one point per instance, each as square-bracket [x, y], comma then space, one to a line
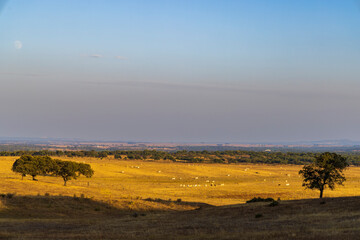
[34, 178]
[321, 193]
[64, 182]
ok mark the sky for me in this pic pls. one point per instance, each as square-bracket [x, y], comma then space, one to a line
[180, 70]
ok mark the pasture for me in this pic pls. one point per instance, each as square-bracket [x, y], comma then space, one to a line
[215, 184]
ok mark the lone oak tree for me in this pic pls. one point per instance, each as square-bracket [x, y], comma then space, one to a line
[71, 170]
[326, 171]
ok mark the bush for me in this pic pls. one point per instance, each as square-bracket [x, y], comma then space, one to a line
[259, 199]
[10, 195]
[274, 203]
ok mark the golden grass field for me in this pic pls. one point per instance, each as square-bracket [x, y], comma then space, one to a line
[120, 188]
[114, 179]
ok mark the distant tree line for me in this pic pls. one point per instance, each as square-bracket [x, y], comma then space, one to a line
[205, 156]
[46, 166]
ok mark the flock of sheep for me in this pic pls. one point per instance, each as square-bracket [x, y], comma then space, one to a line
[209, 183]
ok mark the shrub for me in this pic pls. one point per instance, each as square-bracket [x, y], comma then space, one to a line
[259, 199]
[10, 195]
[274, 203]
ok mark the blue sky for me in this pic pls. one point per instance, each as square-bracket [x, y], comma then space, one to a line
[223, 71]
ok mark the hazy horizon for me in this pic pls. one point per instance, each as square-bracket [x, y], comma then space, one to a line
[340, 142]
[180, 71]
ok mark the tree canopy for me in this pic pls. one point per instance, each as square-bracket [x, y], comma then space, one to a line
[71, 170]
[45, 165]
[325, 171]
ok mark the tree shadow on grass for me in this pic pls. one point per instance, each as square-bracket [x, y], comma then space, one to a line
[12, 206]
[178, 202]
[58, 207]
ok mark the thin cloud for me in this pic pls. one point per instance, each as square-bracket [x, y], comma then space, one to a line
[291, 92]
[95, 56]
[121, 57]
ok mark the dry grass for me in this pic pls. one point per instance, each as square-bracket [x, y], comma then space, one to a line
[114, 180]
[119, 189]
[70, 218]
